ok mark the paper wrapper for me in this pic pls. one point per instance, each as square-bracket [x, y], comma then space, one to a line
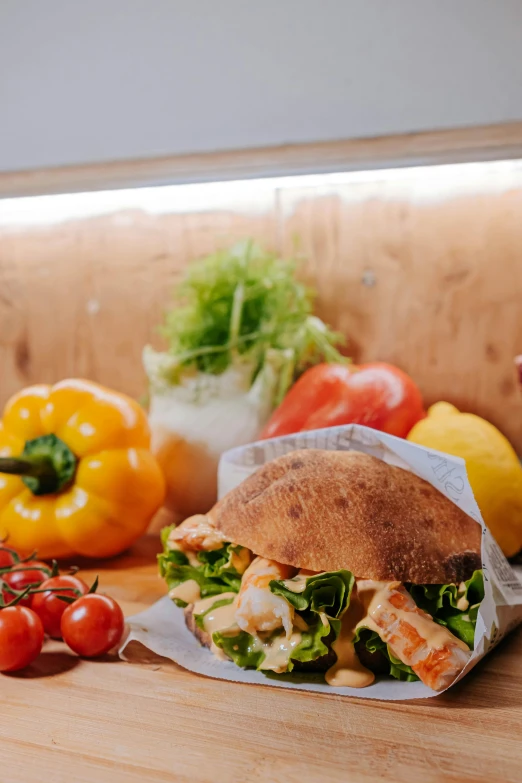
[162, 628]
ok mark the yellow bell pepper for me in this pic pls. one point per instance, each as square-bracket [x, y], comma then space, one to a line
[76, 473]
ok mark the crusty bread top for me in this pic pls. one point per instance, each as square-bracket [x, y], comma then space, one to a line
[323, 510]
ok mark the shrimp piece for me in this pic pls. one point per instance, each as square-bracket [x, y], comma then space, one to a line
[433, 652]
[196, 534]
[257, 609]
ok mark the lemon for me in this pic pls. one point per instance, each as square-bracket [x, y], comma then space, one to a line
[494, 470]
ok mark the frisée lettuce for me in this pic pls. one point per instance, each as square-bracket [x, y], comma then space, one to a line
[241, 307]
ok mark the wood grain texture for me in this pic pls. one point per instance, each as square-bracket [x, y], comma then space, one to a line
[69, 720]
[423, 272]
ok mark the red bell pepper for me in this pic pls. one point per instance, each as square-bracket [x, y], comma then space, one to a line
[378, 395]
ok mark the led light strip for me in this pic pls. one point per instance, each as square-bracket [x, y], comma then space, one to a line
[418, 183]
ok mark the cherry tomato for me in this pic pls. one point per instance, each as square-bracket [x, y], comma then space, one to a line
[21, 637]
[92, 625]
[7, 557]
[33, 572]
[49, 607]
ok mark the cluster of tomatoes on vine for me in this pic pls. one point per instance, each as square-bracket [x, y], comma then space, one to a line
[35, 600]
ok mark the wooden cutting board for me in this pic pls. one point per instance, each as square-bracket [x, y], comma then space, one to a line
[74, 721]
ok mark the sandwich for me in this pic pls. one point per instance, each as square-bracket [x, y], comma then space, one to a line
[331, 562]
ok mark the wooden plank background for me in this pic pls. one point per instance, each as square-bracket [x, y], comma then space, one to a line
[423, 269]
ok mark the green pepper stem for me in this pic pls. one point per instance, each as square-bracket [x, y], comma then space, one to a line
[37, 468]
[46, 465]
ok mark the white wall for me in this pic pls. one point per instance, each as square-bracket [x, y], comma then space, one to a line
[97, 80]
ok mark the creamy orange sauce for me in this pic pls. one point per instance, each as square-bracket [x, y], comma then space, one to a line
[324, 618]
[348, 671]
[278, 651]
[222, 618]
[205, 603]
[187, 591]
[196, 533]
[376, 596]
[241, 560]
[462, 603]
[433, 652]
[297, 584]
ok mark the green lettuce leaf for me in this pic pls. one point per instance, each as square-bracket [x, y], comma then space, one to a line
[247, 652]
[328, 592]
[243, 649]
[215, 573]
[374, 644]
[311, 647]
[440, 601]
